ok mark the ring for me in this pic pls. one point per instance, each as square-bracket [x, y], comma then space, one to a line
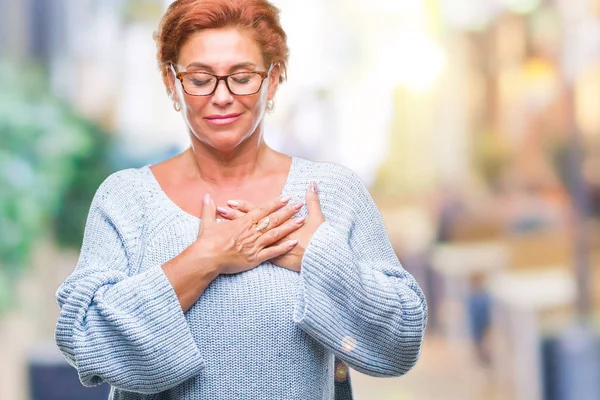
[262, 225]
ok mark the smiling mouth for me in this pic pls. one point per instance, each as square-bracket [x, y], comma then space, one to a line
[222, 119]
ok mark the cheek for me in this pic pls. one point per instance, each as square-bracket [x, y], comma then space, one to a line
[195, 101]
[194, 104]
[256, 104]
[248, 104]
[191, 111]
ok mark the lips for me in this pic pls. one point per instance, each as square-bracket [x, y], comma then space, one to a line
[222, 119]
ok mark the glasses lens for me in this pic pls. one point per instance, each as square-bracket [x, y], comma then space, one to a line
[199, 84]
[244, 83]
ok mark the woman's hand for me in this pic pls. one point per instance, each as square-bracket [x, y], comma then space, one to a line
[241, 244]
[293, 258]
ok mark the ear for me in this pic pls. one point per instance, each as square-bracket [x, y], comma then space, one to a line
[274, 81]
[172, 81]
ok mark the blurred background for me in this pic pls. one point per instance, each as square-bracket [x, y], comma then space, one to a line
[476, 125]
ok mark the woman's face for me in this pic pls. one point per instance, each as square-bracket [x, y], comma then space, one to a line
[223, 120]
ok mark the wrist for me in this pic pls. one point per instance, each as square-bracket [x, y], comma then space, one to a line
[207, 263]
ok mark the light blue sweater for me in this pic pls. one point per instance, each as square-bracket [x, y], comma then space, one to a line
[269, 333]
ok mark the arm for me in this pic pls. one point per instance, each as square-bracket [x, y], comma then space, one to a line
[356, 299]
[129, 331]
[187, 280]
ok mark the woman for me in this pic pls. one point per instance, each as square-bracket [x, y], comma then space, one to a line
[232, 271]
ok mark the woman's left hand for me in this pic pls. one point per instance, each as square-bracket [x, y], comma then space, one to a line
[291, 260]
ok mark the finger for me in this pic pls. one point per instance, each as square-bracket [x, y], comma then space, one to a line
[241, 205]
[230, 213]
[313, 203]
[277, 218]
[273, 235]
[276, 251]
[257, 214]
[208, 212]
[282, 215]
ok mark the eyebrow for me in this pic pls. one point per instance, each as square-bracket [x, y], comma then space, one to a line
[207, 67]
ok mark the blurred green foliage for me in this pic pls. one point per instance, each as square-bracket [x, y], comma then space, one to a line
[51, 162]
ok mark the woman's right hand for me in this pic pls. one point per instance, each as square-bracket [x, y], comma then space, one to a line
[241, 244]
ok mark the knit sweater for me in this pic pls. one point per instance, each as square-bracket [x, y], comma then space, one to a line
[268, 333]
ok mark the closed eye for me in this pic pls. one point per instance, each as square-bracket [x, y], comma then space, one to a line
[200, 82]
[241, 78]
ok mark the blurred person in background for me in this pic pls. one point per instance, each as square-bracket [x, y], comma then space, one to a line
[232, 270]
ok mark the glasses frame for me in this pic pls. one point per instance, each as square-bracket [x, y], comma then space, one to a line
[180, 75]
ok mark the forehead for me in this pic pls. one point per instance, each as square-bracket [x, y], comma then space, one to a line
[220, 49]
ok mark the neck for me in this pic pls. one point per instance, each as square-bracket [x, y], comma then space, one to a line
[229, 169]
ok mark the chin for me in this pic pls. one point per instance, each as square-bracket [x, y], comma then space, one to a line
[224, 141]
[225, 147]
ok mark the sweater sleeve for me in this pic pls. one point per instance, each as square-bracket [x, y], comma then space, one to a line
[355, 297]
[118, 327]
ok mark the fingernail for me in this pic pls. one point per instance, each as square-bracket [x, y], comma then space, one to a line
[233, 203]
[300, 220]
[298, 206]
[314, 188]
[292, 243]
[285, 199]
[222, 210]
[206, 198]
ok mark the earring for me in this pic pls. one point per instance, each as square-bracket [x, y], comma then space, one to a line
[177, 106]
[270, 105]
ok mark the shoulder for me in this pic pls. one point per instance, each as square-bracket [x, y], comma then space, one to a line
[331, 178]
[120, 207]
[123, 191]
[342, 193]
[328, 173]
[121, 180]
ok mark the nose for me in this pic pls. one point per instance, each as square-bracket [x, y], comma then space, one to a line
[222, 96]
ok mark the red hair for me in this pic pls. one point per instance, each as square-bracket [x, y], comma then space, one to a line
[183, 18]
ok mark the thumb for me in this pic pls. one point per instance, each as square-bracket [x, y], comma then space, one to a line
[208, 212]
[313, 203]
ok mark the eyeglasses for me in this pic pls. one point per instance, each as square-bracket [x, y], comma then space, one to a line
[205, 84]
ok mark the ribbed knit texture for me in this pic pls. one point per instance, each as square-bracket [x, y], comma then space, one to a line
[268, 333]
